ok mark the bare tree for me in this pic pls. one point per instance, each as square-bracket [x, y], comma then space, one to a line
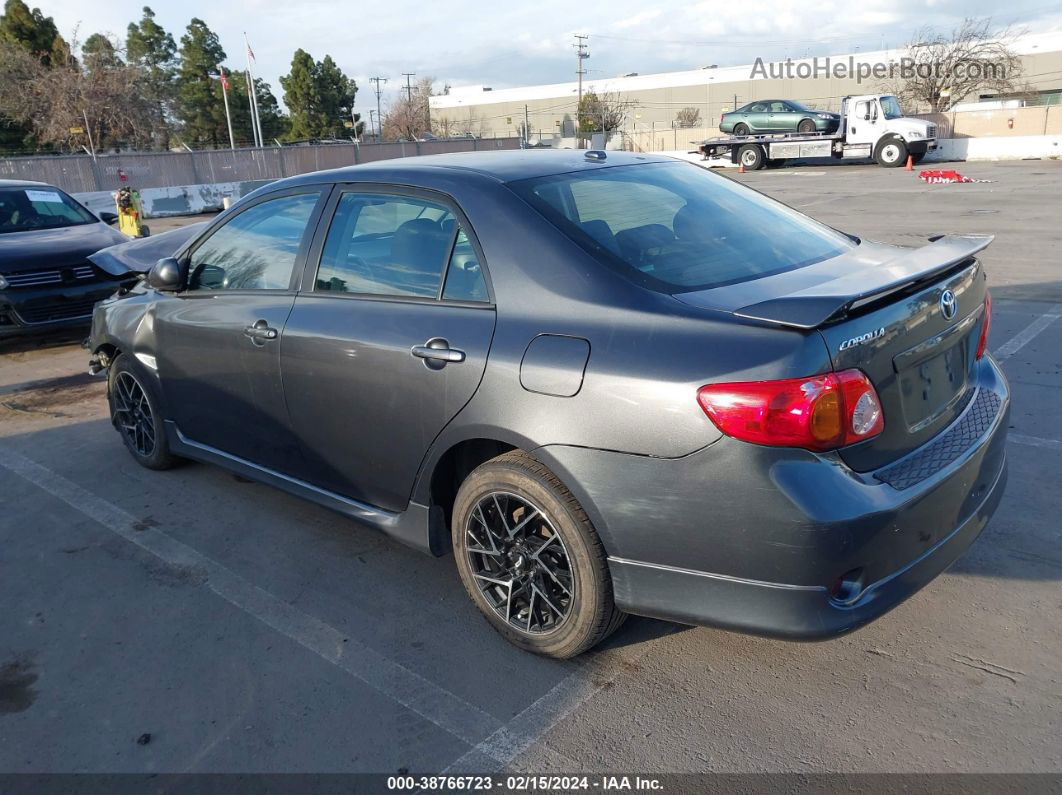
[408, 117]
[688, 117]
[940, 71]
[57, 99]
[606, 111]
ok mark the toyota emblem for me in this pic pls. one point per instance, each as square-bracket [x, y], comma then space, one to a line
[949, 304]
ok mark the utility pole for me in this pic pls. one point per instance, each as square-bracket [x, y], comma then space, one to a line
[409, 86]
[527, 127]
[581, 55]
[379, 115]
[372, 125]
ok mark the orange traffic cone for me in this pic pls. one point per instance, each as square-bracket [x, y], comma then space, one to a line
[910, 164]
[741, 168]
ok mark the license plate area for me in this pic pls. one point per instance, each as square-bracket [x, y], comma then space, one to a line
[930, 387]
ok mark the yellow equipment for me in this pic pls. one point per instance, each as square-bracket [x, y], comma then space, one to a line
[130, 211]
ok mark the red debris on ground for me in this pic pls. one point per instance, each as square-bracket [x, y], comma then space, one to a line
[937, 177]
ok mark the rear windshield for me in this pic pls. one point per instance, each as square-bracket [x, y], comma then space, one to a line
[676, 227]
[43, 207]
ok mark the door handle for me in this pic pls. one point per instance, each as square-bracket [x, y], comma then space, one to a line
[437, 352]
[260, 332]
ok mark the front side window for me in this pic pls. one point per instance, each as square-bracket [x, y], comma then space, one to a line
[381, 244]
[676, 227]
[780, 107]
[256, 250]
[891, 108]
[26, 209]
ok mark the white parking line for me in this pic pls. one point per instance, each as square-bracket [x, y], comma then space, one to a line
[432, 702]
[1027, 335]
[596, 671]
[1034, 441]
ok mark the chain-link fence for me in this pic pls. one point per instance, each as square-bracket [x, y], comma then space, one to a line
[83, 173]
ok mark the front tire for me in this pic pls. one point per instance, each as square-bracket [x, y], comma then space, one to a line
[806, 126]
[136, 416]
[530, 559]
[891, 153]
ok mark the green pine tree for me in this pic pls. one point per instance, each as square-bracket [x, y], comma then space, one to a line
[320, 98]
[98, 53]
[301, 95]
[199, 101]
[153, 50]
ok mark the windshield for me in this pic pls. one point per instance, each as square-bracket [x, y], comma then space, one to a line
[676, 227]
[890, 106]
[25, 209]
[798, 105]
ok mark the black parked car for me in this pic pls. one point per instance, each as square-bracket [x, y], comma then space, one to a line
[46, 280]
[609, 382]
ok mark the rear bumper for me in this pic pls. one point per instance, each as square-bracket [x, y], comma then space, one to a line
[49, 309]
[757, 539]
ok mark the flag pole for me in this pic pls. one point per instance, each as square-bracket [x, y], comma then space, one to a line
[254, 97]
[250, 110]
[225, 96]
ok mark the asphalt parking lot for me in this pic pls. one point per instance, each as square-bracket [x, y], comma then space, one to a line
[191, 621]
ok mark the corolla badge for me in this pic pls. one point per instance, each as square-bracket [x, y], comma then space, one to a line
[863, 338]
[949, 304]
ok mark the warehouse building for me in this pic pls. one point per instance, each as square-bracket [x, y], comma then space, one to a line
[660, 101]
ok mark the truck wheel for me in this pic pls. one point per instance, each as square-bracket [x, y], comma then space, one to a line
[741, 129]
[530, 559]
[806, 126]
[891, 153]
[751, 157]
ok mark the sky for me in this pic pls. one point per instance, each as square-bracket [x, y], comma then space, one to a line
[502, 44]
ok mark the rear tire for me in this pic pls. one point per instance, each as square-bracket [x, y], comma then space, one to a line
[530, 559]
[806, 126]
[751, 156]
[741, 129]
[136, 416]
[891, 153]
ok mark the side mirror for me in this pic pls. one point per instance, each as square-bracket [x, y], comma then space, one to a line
[167, 275]
[109, 218]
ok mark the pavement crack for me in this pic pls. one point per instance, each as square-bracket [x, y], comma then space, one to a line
[989, 667]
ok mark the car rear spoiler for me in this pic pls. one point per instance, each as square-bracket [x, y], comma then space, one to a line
[815, 306]
[140, 255]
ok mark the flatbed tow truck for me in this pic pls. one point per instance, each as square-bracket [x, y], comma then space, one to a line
[871, 126]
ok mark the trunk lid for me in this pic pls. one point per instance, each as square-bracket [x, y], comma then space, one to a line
[909, 319]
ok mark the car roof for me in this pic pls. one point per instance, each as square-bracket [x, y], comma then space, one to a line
[21, 183]
[500, 165]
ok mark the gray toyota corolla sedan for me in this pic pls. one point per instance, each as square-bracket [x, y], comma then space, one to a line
[609, 383]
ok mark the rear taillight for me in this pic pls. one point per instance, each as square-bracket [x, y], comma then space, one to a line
[721, 115]
[986, 324]
[823, 412]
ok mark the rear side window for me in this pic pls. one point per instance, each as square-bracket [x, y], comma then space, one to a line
[676, 227]
[381, 244]
[256, 250]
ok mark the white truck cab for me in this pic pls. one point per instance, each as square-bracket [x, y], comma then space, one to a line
[874, 126]
[871, 126]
